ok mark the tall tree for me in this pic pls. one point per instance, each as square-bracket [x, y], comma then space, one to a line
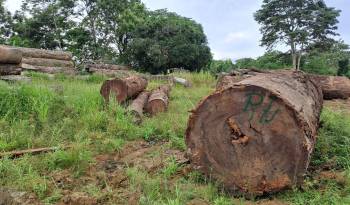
[297, 23]
[5, 23]
[166, 40]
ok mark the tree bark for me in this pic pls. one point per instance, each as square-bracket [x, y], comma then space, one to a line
[137, 106]
[158, 100]
[333, 87]
[96, 67]
[182, 81]
[122, 89]
[46, 69]
[41, 53]
[257, 136]
[10, 55]
[48, 62]
[10, 69]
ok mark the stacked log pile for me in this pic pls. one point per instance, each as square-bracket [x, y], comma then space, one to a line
[134, 88]
[107, 69]
[256, 136]
[10, 60]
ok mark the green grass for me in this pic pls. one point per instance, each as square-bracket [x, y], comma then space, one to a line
[68, 111]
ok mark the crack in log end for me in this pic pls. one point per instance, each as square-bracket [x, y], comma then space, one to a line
[238, 136]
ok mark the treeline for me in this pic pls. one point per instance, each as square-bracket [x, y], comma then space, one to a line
[108, 31]
[332, 60]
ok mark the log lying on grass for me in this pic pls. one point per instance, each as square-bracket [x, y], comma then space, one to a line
[158, 100]
[96, 67]
[182, 81]
[10, 69]
[137, 106]
[48, 62]
[257, 136]
[333, 87]
[20, 153]
[49, 54]
[47, 69]
[123, 89]
[10, 55]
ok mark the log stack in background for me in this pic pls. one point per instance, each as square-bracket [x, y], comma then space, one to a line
[108, 69]
[10, 60]
[256, 136]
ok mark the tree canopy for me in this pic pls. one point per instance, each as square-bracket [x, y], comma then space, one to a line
[296, 23]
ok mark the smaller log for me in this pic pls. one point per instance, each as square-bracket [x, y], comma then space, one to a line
[10, 55]
[182, 81]
[47, 69]
[20, 153]
[48, 62]
[333, 87]
[10, 69]
[158, 100]
[137, 106]
[227, 81]
[95, 67]
[123, 89]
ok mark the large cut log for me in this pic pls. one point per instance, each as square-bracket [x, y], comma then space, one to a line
[41, 53]
[96, 67]
[137, 106]
[48, 62]
[47, 69]
[158, 100]
[123, 89]
[257, 136]
[10, 55]
[10, 69]
[333, 87]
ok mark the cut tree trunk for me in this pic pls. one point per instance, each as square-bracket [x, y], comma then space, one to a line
[10, 55]
[94, 67]
[137, 106]
[333, 87]
[10, 69]
[41, 53]
[123, 89]
[257, 136]
[182, 81]
[48, 62]
[158, 100]
[47, 69]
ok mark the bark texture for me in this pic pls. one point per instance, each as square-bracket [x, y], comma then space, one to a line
[41, 53]
[333, 87]
[10, 69]
[123, 89]
[137, 106]
[158, 100]
[182, 81]
[257, 135]
[47, 69]
[10, 55]
[48, 62]
[95, 67]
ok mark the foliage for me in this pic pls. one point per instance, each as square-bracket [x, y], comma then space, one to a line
[166, 40]
[297, 23]
[217, 66]
[5, 23]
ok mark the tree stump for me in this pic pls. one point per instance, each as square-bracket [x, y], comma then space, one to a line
[10, 55]
[158, 100]
[137, 106]
[123, 89]
[257, 135]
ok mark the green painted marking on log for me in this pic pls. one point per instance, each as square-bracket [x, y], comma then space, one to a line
[255, 100]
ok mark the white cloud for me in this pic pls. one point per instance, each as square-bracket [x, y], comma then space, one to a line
[236, 37]
[13, 5]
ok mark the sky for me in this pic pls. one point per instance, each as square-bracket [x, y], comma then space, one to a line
[229, 24]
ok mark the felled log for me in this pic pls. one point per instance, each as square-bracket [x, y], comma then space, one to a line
[123, 89]
[10, 69]
[158, 100]
[227, 81]
[20, 153]
[48, 62]
[182, 81]
[47, 69]
[137, 106]
[333, 87]
[10, 55]
[257, 135]
[95, 67]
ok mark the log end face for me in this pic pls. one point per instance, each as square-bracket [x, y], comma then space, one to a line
[156, 106]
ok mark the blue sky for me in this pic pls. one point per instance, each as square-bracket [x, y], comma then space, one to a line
[229, 24]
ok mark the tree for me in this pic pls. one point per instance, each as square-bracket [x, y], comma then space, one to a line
[5, 23]
[166, 40]
[297, 23]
